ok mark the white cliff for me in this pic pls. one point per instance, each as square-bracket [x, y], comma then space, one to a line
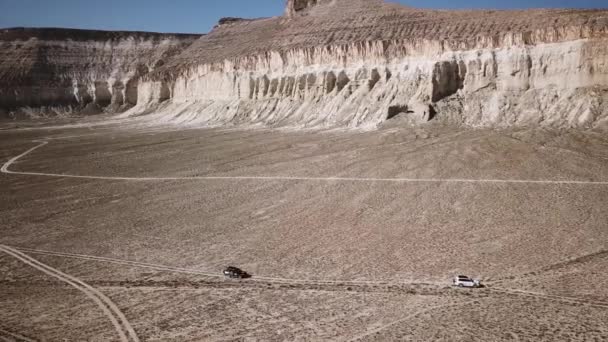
[55, 68]
[557, 84]
[359, 63]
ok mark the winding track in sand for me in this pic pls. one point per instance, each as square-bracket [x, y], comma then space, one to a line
[13, 336]
[402, 320]
[571, 300]
[5, 170]
[565, 299]
[118, 319]
[157, 267]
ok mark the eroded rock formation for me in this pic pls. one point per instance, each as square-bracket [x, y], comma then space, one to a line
[295, 7]
[74, 68]
[357, 63]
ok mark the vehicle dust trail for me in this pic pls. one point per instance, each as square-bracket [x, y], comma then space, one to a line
[406, 318]
[14, 336]
[209, 274]
[572, 300]
[5, 169]
[110, 309]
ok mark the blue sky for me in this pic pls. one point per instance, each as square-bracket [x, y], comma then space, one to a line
[197, 16]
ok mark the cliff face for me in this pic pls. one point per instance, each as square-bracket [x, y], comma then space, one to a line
[72, 68]
[358, 63]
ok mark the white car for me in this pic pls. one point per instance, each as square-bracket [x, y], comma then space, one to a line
[464, 281]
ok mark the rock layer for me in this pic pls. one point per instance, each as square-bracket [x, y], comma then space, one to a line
[60, 67]
[358, 63]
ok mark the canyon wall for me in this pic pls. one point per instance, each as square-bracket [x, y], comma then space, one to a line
[557, 84]
[355, 63]
[337, 63]
[57, 69]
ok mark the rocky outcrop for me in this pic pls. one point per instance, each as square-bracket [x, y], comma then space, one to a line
[54, 68]
[295, 7]
[357, 63]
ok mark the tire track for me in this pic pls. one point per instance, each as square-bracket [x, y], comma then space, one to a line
[6, 165]
[577, 261]
[278, 280]
[14, 336]
[406, 318]
[118, 319]
[120, 262]
[5, 169]
[571, 300]
[291, 281]
[562, 265]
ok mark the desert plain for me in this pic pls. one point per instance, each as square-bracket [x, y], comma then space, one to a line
[349, 235]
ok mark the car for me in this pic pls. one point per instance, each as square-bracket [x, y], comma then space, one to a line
[235, 273]
[464, 281]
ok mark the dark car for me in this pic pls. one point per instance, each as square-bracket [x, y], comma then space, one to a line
[235, 273]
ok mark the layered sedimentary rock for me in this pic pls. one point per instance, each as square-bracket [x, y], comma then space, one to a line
[357, 63]
[340, 63]
[73, 68]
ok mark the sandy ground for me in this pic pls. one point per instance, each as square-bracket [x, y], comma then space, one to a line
[338, 252]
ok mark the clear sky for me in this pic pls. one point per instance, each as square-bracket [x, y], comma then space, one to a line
[198, 16]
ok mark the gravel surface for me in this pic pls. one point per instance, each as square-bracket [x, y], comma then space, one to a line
[340, 251]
